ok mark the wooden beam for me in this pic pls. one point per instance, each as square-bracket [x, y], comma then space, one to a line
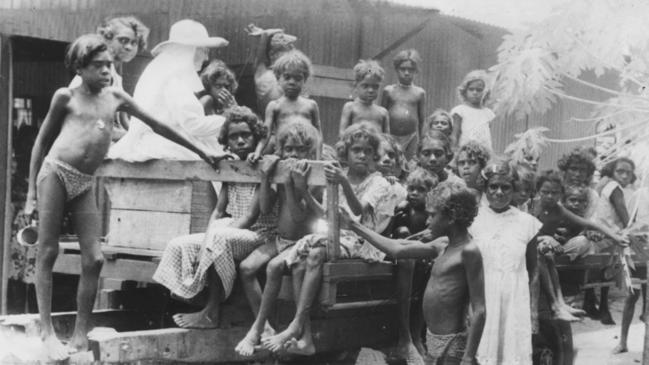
[6, 123]
[127, 269]
[230, 171]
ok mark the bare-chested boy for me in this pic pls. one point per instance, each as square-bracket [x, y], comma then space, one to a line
[405, 102]
[368, 76]
[457, 278]
[292, 70]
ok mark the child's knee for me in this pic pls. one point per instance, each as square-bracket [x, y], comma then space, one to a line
[316, 257]
[93, 262]
[248, 268]
[275, 268]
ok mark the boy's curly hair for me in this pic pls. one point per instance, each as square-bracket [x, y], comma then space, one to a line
[82, 50]
[435, 135]
[366, 68]
[422, 177]
[216, 69]
[353, 133]
[579, 157]
[300, 129]
[407, 55]
[400, 157]
[609, 168]
[239, 114]
[292, 61]
[502, 167]
[552, 176]
[475, 75]
[108, 26]
[455, 201]
[439, 113]
[475, 150]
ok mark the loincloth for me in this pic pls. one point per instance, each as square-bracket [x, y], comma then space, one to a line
[74, 181]
[445, 349]
[409, 143]
[282, 244]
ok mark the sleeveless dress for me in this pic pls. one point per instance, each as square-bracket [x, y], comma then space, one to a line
[502, 239]
[475, 124]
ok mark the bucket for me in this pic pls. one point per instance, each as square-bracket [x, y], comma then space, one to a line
[28, 236]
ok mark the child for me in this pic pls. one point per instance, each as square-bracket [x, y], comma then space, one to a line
[273, 43]
[471, 159]
[456, 281]
[524, 188]
[361, 191]
[292, 70]
[236, 228]
[405, 102]
[297, 139]
[77, 130]
[553, 215]
[578, 168]
[219, 86]
[434, 154]
[440, 120]
[410, 216]
[369, 75]
[392, 161]
[472, 119]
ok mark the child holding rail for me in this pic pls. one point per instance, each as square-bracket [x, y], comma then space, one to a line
[406, 102]
[292, 70]
[70, 146]
[472, 119]
[369, 75]
[457, 280]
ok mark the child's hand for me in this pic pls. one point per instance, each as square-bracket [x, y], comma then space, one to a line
[392, 179]
[30, 205]
[253, 157]
[225, 99]
[334, 173]
[268, 165]
[548, 244]
[345, 219]
[214, 160]
[622, 240]
[299, 173]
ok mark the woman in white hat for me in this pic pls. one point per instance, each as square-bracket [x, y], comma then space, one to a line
[166, 88]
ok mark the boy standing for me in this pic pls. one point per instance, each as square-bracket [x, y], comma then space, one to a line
[457, 278]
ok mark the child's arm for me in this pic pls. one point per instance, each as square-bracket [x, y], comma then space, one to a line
[386, 121]
[46, 136]
[299, 174]
[221, 203]
[334, 173]
[421, 107]
[247, 220]
[457, 130]
[472, 261]
[266, 195]
[208, 104]
[345, 117]
[617, 199]
[269, 123]
[588, 224]
[130, 106]
[315, 120]
[386, 98]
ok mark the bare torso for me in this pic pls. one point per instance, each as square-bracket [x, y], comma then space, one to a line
[285, 108]
[402, 105]
[287, 226]
[374, 114]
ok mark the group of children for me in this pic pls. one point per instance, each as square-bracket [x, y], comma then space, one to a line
[411, 189]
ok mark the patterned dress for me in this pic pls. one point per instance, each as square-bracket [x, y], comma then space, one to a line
[186, 259]
[502, 239]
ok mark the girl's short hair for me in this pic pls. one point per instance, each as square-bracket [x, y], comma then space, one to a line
[82, 50]
[580, 157]
[422, 177]
[302, 130]
[366, 68]
[455, 201]
[292, 61]
[400, 156]
[109, 25]
[241, 114]
[407, 55]
[356, 132]
[609, 168]
[475, 75]
[551, 176]
[439, 113]
[216, 69]
[499, 167]
[476, 150]
[435, 135]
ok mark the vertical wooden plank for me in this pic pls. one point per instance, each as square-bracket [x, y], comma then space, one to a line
[333, 220]
[5, 164]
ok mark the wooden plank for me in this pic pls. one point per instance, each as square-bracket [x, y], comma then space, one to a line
[152, 195]
[203, 201]
[332, 72]
[114, 251]
[331, 88]
[127, 269]
[357, 270]
[146, 230]
[6, 108]
[232, 171]
[333, 223]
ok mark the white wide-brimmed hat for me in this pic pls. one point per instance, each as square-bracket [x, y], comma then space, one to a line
[191, 33]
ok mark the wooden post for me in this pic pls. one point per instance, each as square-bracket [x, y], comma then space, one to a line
[6, 106]
[333, 221]
[645, 352]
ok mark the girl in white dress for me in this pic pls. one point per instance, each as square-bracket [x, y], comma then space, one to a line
[472, 119]
[507, 239]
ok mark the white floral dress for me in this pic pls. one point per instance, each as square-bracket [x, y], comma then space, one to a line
[502, 239]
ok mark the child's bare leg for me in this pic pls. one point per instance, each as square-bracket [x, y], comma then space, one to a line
[605, 314]
[627, 317]
[417, 322]
[248, 269]
[547, 286]
[405, 347]
[310, 286]
[274, 273]
[50, 207]
[554, 275]
[209, 316]
[300, 346]
[590, 303]
[86, 224]
[644, 301]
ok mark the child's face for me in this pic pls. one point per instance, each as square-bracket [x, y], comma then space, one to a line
[432, 156]
[417, 195]
[576, 202]
[368, 88]
[240, 139]
[294, 148]
[468, 168]
[441, 124]
[124, 44]
[406, 72]
[550, 194]
[474, 92]
[387, 164]
[521, 193]
[97, 73]
[499, 192]
[292, 83]
[360, 155]
[438, 224]
[623, 173]
[219, 84]
[576, 174]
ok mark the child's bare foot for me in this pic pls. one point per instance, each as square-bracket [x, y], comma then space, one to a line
[54, 349]
[200, 320]
[620, 348]
[276, 343]
[268, 331]
[562, 314]
[247, 346]
[605, 317]
[78, 343]
[575, 311]
[300, 347]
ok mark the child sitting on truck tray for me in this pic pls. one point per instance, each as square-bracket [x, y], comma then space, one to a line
[69, 148]
[190, 263]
